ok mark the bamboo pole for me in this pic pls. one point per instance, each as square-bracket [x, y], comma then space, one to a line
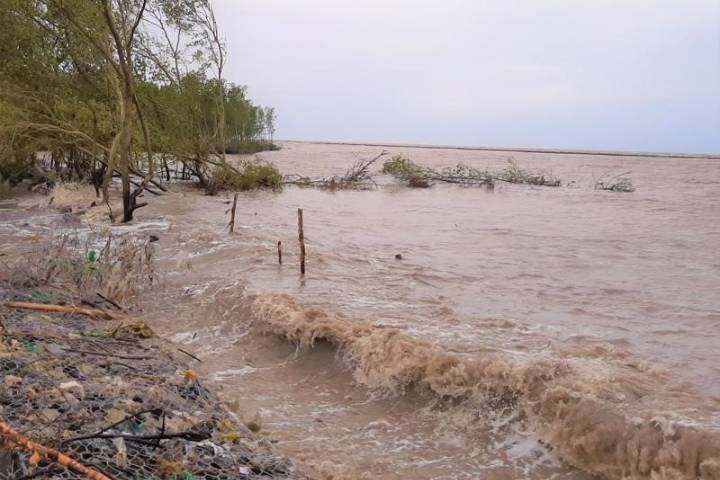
[301, 239]
[232, 214]
[42, 451]
[279, 249]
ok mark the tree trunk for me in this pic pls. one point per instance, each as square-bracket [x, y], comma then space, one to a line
[124, 153]
[221, 115]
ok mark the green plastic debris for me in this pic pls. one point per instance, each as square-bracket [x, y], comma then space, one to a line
[185, 475]
[92, 256]
[136, 426]
[30, 346]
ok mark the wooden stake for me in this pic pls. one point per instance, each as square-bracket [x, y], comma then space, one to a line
[232, 214]
[279, 246]
[301, 239]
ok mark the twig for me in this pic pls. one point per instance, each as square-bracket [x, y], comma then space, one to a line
[155, 411]
[162, 431]
[130, 367]
[359, 171]
[187, 435]
[101, 354]
[109, 301]
[356, 177]
[90, 303]
[54, 455]
[189, 354]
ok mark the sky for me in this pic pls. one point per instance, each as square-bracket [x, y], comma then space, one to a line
[578, 74]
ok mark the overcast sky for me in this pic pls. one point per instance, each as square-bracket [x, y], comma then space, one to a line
[598, 74]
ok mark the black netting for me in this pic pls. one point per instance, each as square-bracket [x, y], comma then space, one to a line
[66, 377]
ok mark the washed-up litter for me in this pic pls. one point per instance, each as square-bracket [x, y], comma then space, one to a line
[84, 398]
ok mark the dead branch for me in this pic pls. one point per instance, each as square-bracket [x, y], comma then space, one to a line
[356, 177]
[111, 302]
[616, 183]
[72, 309]
[189, 354]
[154, 411]
[12, 437]
[360, 170]
[103, 354]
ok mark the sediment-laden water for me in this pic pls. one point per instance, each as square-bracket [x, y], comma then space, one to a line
[530, 332]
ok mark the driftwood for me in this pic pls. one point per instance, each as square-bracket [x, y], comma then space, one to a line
[11, 437]
[46, 307]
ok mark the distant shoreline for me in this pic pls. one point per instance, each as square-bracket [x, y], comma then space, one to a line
[608, 153]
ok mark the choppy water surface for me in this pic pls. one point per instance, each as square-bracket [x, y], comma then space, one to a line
[616, 294]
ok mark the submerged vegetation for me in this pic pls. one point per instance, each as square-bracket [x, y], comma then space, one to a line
[514, 174]
[357, 177]
[615, 183]
[90, 91]
[415, 175]
[248, 175]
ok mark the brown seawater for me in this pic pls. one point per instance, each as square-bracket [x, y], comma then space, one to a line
[530, 332]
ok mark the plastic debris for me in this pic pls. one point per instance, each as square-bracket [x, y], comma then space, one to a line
[114, 405]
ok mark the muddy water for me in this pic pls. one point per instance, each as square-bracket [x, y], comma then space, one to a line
[614, 298]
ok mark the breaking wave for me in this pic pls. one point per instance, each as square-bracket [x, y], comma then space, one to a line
[600, 418]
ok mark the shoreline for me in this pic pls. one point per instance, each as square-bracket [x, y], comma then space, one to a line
[536, 393]
[553, 151]
[118, 402]
[88, 389]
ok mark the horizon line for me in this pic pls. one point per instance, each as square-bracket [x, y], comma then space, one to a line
[561, 151]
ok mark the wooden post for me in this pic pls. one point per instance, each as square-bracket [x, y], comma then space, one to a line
[232, 214]
[279, 252]
[301, 239]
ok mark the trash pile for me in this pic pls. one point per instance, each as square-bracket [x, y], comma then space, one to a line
[85, 397]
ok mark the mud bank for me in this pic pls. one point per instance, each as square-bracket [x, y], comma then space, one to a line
[579, 416]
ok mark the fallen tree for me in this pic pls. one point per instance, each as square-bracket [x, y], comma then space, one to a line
[615, 183]
[416, 175]
[357, 177]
